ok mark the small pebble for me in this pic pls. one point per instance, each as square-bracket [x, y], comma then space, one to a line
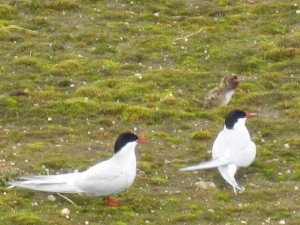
[51, 198]
[65, 212]
[287, 145]
[180, 92]
[205, 185]
[282, 222]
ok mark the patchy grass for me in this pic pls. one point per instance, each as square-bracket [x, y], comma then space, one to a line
[97, 68]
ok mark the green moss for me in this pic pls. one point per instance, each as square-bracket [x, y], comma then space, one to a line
[295, 143]
[292, 40]
[70, 66]
[76, 106]
[251, 64]
[137, 114]
[57, 162]
[3, 182]
[103, 48]
[41, 23]
[29, 62]
[273, 28]
[173, 139]
[151, 46]
[61, 5]
[296, 174]
[24, 218]
[11, 103]
[158, 180]
[173, 200]
[202, 135]
[121, 223]
[35, 146]
[111, 109]
[89, 91]
[280, 54]
[183, 217]
[110, 65]
[145, 165]
[223, 197]
[7, 12]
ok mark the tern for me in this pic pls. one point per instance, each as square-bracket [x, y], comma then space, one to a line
[103, 179]
[231, 150]
[221, 95]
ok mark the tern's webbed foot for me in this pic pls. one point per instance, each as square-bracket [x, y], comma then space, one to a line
[112, 202]
[238, 190]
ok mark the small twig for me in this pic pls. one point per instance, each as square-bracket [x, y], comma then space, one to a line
[15, 27]
[176, 161]
[192, 34]
[69, 200]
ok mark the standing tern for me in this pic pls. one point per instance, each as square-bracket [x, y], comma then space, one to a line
[231, 150]
[221, 95]
[103, 179]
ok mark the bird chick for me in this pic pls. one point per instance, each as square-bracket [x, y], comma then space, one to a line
[221, 95]
[19, 92]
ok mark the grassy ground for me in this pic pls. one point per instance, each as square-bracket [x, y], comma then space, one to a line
[97, 68]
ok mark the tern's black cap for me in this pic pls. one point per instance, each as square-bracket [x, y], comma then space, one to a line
[233, 117]
[123, 139]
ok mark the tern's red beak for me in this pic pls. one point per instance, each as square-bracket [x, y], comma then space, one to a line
[250, 115]
[141, 141]
[237, 79]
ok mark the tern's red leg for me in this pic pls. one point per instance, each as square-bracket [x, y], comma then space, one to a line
[111, 202]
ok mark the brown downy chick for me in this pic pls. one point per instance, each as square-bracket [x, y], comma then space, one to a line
[221, 95]
[19, 92]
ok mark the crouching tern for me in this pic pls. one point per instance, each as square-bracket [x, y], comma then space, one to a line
[103, 179]
[231, 150]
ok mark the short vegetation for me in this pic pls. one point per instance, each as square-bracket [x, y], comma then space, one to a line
[93, 69]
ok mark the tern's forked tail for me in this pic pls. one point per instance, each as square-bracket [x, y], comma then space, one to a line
[54, 183]
[206, 165]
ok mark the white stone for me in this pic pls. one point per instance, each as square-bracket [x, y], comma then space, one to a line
[205, 184]
[287, 145]
[65, 212]
[51, 198]
[282, 222]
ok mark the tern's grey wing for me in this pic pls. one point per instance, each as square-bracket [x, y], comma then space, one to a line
[104, 178]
